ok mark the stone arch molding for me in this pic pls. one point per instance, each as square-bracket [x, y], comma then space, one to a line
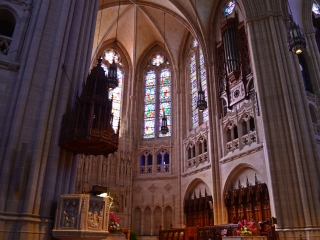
[242, 174]
[197, 186]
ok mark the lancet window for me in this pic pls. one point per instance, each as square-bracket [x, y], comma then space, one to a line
[157, 96]
[198, 74]
[115, 94]
[228, 9]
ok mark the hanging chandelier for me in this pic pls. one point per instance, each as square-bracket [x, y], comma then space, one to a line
[113, 69]
[296, 39]
[87, 128]
[164, 122]
[201, 101]
[112, 75]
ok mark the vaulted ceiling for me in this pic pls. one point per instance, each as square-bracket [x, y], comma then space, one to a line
[141, 24]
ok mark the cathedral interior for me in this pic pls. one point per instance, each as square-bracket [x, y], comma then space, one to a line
[186, 112]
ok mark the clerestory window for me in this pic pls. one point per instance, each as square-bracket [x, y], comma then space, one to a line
[157, 96]
[198, 74]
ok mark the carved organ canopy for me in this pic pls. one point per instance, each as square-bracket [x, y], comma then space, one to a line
[87, 128]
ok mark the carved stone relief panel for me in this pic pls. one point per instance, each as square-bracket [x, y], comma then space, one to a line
[70, 212]
[95, 214]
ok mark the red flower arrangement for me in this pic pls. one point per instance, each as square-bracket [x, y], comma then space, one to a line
[114, 225]
[246, 228]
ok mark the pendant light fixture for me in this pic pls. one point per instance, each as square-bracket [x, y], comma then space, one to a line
[296, 39]
[113, 69]
[201, 101]
[164, 123]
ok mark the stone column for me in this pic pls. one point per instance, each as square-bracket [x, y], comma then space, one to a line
[290, 147]
[59, 32]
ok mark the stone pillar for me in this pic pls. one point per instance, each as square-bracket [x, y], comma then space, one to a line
[57, 34]
[290, 146]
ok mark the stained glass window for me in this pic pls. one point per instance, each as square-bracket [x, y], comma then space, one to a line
[203, 77]
[165, 99]
[316, 8]
[157, 60]
[197, 68]
[194, 90]
[116, 93]
[195, 43]
[150, 104]
[157, 98]
[228, 9]
[110, 54]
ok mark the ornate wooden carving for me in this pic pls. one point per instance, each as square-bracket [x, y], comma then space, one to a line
[87, 128]
[251, 202]
[198, 210]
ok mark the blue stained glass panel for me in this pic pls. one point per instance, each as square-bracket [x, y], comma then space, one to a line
[316, 8]
[228, 9]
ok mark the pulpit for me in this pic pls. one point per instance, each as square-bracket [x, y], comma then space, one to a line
[82, 216]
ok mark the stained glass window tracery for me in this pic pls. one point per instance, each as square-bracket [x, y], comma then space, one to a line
[157, 98]
[110, 54]
[228, 8]
[197, 70]
[157, 60]
[195, 43]
[316, 8]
